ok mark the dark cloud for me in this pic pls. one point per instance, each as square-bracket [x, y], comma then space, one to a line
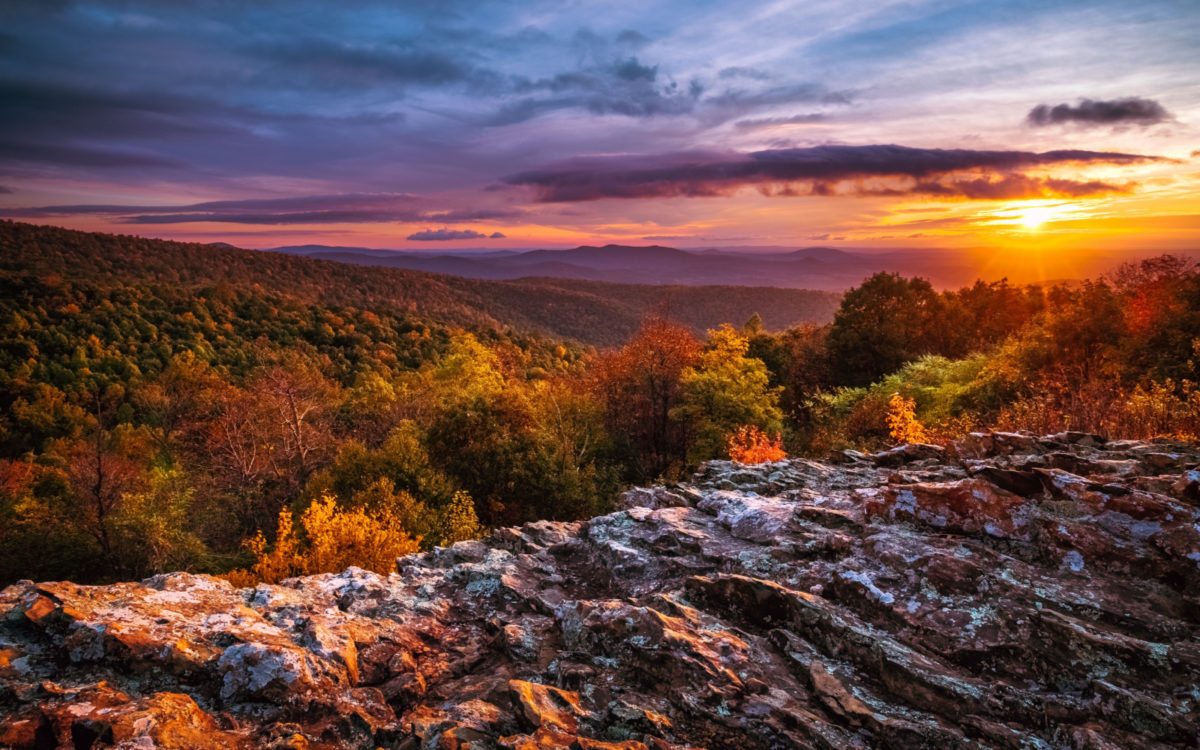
[1016, 187]
[821, 168]
[64, 155]
[343, 208]
[328, 62]
[437, 235]
[5, 190]
[624, 86]
[632, 38]
[1091, 113]
[468, 214]
[496, 236]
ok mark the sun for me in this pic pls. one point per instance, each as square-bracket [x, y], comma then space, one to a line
[1034, 216]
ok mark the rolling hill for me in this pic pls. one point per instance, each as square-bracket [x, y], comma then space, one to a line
[590, 312]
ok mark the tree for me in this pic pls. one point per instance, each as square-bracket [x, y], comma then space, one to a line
[723, 391]
[298, 398]
[640, 385]
[903, 425]
[179, 401]
[885, 322]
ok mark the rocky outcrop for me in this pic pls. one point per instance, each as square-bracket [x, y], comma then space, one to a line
[1012, 592]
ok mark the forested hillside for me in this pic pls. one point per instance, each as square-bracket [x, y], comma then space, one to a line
[168, 406]
[587, 312]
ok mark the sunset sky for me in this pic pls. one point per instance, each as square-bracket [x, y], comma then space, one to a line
[444, 123]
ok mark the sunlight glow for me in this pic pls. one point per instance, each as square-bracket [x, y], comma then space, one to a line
[1034, 217]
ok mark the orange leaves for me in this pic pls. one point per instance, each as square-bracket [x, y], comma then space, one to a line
[903, 425]
[750, 445]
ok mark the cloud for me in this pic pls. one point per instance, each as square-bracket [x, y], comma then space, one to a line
[1017, 187]
[341, 208]
[1096, 113]
[336, 63]
[83, 156]
[621, 86]
[737, 71]
[440, 235]
[5, 190]
[767, 122]
[821, 168]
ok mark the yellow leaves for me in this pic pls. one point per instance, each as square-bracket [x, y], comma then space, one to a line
[903, 425]
[750, 445]
[334, 539]
[459, 521]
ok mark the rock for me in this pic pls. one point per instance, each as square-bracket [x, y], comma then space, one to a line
[903, 454]
[1014, 592]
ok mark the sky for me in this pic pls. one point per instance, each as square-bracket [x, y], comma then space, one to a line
[438, 124]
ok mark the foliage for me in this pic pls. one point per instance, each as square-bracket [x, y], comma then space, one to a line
[882, 324]
[152, 530]
[334, 539]
[640, 385]
[750, 445]
[457, 522]
[723, 391]
[163, 403]
[903, 425]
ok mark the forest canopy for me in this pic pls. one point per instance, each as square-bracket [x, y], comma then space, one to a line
[221, 414]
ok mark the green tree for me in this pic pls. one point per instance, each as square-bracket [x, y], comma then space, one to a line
[885, 322]
[725, 390]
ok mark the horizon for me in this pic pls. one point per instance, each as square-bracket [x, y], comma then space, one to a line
[1062, 127]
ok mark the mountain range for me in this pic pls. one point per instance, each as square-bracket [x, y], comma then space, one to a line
[824, 268]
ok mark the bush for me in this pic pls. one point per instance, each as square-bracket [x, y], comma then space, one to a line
[903, 425]
[334, 539]
[750, 445]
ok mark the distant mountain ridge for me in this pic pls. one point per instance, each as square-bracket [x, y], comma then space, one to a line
[817, 267]
[822, 268]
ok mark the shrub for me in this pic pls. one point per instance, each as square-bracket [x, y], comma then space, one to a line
[750, 445]
[334, 539]
[903, 425]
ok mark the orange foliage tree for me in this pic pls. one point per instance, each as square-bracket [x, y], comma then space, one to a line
[750, 445]
[640, 384]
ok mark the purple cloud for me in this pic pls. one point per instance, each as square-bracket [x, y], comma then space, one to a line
[441, 235]
[821, 168]
[343, 208]
[1092, 113]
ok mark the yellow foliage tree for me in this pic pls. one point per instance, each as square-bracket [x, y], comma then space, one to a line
[334, 539]
[459, 521]
[902, 421]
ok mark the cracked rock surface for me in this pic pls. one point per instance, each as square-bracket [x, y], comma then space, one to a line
[1014, 591]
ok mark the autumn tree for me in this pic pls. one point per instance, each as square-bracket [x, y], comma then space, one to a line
[333, 539]
[722, 391]
[100, 470]
[639, 385]
[180, 401]
[299, 399]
